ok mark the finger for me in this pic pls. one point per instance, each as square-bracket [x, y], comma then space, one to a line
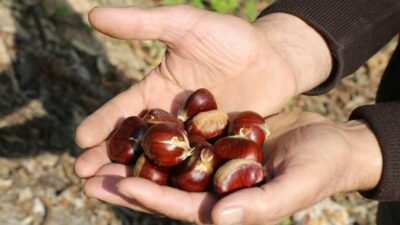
[167, 23]
[115, 169]
[104, 189]
[96, 127]
[90, 161]
[280, 198]
[168, 201]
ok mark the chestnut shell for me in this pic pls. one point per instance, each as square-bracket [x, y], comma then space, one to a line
[193, 174]
[238, 173]
[166, 144]
[144, 168]
[251, 125]
[234, 147]
[194, 140]
[124, 144]
[156, 116]
[199, 101]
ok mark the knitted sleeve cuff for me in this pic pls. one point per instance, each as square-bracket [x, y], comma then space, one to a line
[384, 120]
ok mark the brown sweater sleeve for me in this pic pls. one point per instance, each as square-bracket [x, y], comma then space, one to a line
[384, 120]
[353, 29]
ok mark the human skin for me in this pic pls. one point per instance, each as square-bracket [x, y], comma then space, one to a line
[247, 66]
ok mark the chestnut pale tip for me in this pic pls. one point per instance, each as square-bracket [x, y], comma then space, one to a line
[208, 124]
[238, 173]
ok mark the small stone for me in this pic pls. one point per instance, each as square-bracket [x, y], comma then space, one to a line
[38, 207]
[24, 194]
[5, 183]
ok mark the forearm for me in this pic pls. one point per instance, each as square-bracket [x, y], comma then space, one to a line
[365, 154]
[354, 30]
[384, 121]
[300, 45]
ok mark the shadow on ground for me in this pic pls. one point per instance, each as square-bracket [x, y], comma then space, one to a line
[58, 75]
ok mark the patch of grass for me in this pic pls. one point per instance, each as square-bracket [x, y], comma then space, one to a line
[62, 12]
[251, 10]
[286, 221]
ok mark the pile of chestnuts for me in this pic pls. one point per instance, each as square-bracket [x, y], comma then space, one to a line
[198, 150]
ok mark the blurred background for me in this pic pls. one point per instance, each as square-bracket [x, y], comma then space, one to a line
[55, 70]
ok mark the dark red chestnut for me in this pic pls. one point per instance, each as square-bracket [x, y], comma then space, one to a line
[235, 147]
[208, 124]
[237, 174]
[155, 116]
[144, 168]
[194, 140]
[194, 173]
[251, 125]
[124, 143]
[199, 101]
[166, 144]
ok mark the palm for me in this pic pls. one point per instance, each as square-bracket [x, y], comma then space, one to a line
[205, 50]
[223, 54]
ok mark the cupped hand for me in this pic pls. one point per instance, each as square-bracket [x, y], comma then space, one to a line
[246, 66]
[308, 158]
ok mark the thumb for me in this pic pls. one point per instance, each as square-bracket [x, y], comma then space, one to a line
[166, 23]
[268, 204]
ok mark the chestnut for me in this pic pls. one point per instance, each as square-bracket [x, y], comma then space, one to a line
[155, 116]
[251, 125]
[166, 144]
[144, 168]
[208, 124]
[194, 140]
[199, 101]
[234, 147]
[194, 173]
[124, 144]
[238, 173]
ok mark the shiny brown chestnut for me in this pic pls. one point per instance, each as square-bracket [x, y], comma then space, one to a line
[124, 144]
[194, 140]
[234, 147]
[193, 174]
[238, 173]
[208, 124]
[166, 144]
[144, 168]
[199, 101]
[251, 125]
[156, 116]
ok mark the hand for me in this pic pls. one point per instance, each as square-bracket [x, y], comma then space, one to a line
[308, 158]
[246, 66]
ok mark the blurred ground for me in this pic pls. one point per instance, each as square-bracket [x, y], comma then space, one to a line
[54, 70]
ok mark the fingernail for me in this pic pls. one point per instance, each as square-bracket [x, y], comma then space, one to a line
[231, 216]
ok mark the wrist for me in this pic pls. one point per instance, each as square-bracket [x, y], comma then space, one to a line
[366, 156]
[300, 45]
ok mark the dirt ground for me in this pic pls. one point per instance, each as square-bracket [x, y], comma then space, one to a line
[55, 70]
